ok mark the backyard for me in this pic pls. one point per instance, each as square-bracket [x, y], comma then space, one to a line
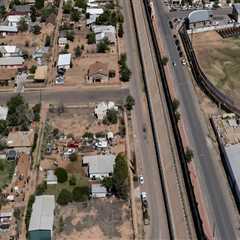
[219, 59]
[6, 172]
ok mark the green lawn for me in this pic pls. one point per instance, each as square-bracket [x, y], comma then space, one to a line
[6, 172]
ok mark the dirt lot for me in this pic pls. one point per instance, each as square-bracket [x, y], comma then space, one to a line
[220, 59]
[99, 219]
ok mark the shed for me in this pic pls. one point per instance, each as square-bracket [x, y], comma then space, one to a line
[98, 191]
[41, 73]
[42, 218]
[51, 178]
[99, 166]
[11, 62]
[64, 61]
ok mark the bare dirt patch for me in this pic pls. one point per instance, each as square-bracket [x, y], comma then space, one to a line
[219, 59]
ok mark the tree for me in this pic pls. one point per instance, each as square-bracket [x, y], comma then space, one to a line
[91, 37]
[33, 68]
[107, 182]
[188, 154]
[70, 35]
[72, 180]
[47, 41]
[130, 102]
[120, 30]
[73, 157]
[81, 4]
[175, 104]
[66, 47]
[75, 16]
[111, 117]
[78, 52]
[41, 188]
[2, 11]
[67, 7]
[22, 25]
[3, 127]
[88, 135]
[64, 197]
[103, 46]
[36, 29]
[125, 73]
[39, 4]
[80, 194]
[33, 15]
[36, 112]
[62, 175]
[120, 176]
[164, 61]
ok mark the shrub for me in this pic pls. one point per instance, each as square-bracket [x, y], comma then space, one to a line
[91, 37]
[64, 197]
[73, 157]
[80, 194]
[62, 175]
[72, 180]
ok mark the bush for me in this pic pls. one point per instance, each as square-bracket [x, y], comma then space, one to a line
[91, 38]
[120, 30]
[73, 157]
[41, 188]
[62, 175]
[129, 103]
[72, 180]
[64, 197]
[80, 194]
[125, 73]
[111, 117]
[78, 52]
[33, 68]
[103, 46]
[36, 29]
[36, 112]
[88, 135]
[47, 41]
[112, 73]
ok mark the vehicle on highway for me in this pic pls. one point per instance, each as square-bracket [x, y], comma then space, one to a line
[184, 61]
[141, 179]
[144, 199]
[171, 24]
[174, 64]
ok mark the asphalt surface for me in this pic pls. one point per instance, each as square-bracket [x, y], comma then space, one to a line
[144, 147]
[71, 97]
[215, 194]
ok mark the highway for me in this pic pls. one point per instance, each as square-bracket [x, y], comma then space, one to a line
[220, 205]
[71, 96]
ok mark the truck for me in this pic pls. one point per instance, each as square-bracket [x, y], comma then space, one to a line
[146, 217]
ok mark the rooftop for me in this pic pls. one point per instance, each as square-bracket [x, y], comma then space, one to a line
[8, 61]
[5, 28]
[98, 68]
[100, 164]
[199, 16]
[98, 188]
[64, 59]
[7, 74]
[3, 113]
[41, 73]
[42, 217]
[20, 139]
[94, 11]
[22, 8]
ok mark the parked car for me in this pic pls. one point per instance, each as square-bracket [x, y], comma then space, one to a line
[141, 179]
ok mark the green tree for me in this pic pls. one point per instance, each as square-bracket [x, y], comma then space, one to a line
[107, 182]
[75, 16]
[80, 194]
[175, 104]
[120, 176]
[188, 154]
[41, 188]
[91, 37]
[130, 102]
[125, 73]
[2, 11]
[36, 29]
[39, 4]
[78, 52]
[36, 112]
[22, 25]
[33, 15]
[3, 127]
[33, 68]
[72, 180]
[67, 7]
[111, 117]
[120, 30]
[62, 175]
[88, 135]
[47, 41]
[103, 46]
[164, 60]
[64, 197]
[70, 35]
[81, 4]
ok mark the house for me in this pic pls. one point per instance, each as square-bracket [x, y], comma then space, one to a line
[20, 139]
[13, 20]
[98, 72]
[40, 52]
[62, 41]
[8, 30]
[41, 73]
[102, 32]
[51, 178]
[10, 51]
[42, 218]
[7, 77]
[64, 61]
[26, 9]
[102, 108]
[98, 191]
[11, 62]
[6, 220]
[93, 14]
[3, 113]
[236, 12]
[99, 166]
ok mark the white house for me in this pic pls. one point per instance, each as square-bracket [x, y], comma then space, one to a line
[64, 61]
[98, 191]
[93, 14]
[99, 166]
[11, 62]
[51, 178]
[103, 31]
[62, 41]
[102, 108]
[10, 51]
[13, 20]
[8, 30]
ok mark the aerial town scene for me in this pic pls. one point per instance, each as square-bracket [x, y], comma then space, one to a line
[119, 119]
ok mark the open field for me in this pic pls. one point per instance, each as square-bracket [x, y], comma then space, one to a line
[220, 60]
[97, 219]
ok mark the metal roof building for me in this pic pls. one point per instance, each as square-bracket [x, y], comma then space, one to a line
[11, 61]
[199, 16]
[99, 166]
[3, 113]
[42, 218]
[64, 61]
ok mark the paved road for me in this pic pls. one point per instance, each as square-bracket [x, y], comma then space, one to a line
[144, 147]
[71, 97]
[216, 191]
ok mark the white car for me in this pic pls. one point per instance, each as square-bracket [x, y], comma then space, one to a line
[141, 179]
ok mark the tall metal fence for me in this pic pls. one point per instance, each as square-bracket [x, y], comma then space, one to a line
[215, 94]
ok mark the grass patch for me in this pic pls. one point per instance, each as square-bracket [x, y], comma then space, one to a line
[7, 169]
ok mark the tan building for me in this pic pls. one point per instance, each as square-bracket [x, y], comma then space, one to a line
[98, 73]
[20, 139]
[7, 77]
[41, 74]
